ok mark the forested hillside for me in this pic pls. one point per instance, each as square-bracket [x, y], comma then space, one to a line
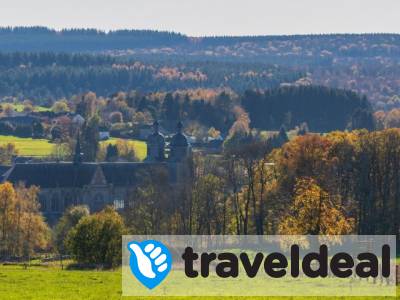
[368, 64]
[323, 109]
[47, 76]
[81, 40]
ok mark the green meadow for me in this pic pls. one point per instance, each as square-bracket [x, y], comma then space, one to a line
[43, 147]
[53, 283]
[19, 107]
[29, 146]
[139, 146]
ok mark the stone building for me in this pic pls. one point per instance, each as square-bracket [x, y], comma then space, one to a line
[63, 184]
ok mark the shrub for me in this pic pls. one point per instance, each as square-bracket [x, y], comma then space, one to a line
[96, 239]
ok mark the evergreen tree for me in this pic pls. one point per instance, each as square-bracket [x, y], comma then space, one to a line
[90, 138]
[111, 152]
[37, 129]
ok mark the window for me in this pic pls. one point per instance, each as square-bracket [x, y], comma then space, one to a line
[43, 204]
[119, 204]
[54, 203]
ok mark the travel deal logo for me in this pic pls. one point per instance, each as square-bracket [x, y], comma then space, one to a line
[259, 266]
[150, 262]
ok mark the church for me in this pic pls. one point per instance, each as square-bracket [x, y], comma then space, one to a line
[98, 184]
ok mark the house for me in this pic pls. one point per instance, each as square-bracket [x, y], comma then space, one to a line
[104, 135]
[145, 130]
[25, 120]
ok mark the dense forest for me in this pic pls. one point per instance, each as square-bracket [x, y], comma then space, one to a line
[321, 108]
[46, 77]
[84, 40]
[81, 40]
[312, 108]
[368, 64]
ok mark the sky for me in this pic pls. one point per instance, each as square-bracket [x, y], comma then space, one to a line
[209, 17]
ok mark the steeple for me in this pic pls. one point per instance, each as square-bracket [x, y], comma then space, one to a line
[156, 126]
[179, 145]
[155, 145]
[179, 127]
[78, 153]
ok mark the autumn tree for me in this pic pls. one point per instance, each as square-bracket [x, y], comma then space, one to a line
[60, 106]
[126, 150]
[149, 207]
[22, 227]
[70, 218]
[32, 230]
[86, 105]
[97, 238]
[122, 150]
[358, 171]
[209, 206]
[7, 151]
[8, 204]
[314, 211]
[248, 153]
[116, 117]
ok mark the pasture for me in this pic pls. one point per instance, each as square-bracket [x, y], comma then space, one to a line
[28, 146]
[19, 107]
[43, 147]
[53, 283]
[139, 146]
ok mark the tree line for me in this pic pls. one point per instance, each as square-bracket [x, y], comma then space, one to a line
[92, 239]
[322, 108]
[47, 76]
[83, 40]
[339, 183]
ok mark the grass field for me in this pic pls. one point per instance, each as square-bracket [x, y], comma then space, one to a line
[42, 147]
[19, 107]
[139, 146]
[53, 283]
[29, 146]
[269, 133]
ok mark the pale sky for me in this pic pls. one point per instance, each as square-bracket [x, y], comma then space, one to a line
[209, 17]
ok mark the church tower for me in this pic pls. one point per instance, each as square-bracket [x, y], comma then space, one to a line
[179, 146]
[180, 157]
[155, 145]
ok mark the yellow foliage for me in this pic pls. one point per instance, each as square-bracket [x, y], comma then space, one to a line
[22, 227]
[313, 211]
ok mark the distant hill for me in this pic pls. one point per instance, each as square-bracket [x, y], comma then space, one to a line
[86, 40]
[368, 64]
[83, 40]
[48, 76]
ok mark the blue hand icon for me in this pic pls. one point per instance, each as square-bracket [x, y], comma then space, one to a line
[150, 262]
